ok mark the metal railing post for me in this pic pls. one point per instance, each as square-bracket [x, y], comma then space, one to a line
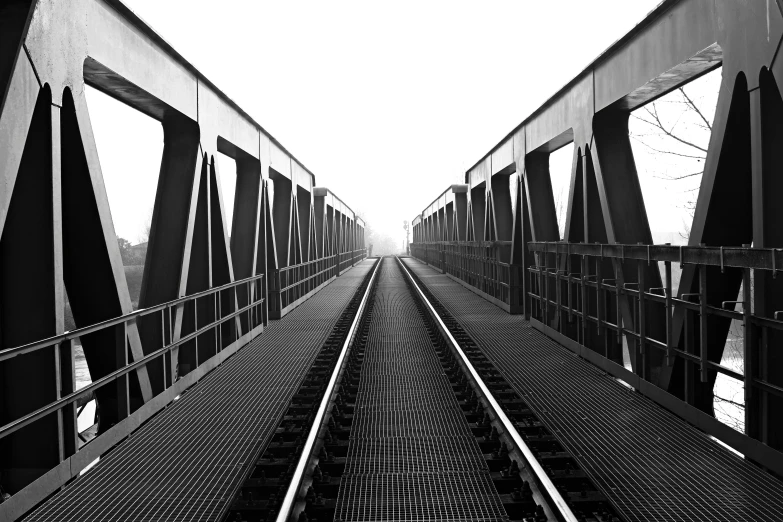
[747, 346]
[558, 292]
[642, 320]
[703, 321]
[583, 289]
[57, 390]
[70, 425]
[669, 312]
[195, 327]
[126, 380]
[163, 338]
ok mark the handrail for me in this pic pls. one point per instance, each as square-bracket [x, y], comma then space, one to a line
[660, 330]
[288, 277]
[296, 480]
[484, 244]
[307, 278]
[305, 263]
[8, 353]
[31, 417]
[332, 256]
[484, 266]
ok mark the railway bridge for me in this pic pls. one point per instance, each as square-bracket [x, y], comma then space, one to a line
[499, 370]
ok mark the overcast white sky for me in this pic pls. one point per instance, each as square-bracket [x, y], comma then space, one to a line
[387, 103]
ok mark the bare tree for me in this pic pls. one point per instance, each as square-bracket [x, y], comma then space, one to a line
[561, 205]
[678, 127]
[653, 118]
[144, 237]
[125, 251]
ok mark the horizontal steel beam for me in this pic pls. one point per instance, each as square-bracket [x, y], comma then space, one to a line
[739, 257]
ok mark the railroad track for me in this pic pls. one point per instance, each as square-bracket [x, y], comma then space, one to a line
[402, 418]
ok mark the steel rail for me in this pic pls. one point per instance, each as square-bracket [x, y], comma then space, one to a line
[293, 487]
[554, 495]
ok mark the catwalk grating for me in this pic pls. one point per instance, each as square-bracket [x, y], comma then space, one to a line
[411, 453]
[414, 455]
[185, 462]
[442, 496]
[409, 423]
[650, 463]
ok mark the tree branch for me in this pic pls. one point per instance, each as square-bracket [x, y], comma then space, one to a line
[677, 178]
[668, 151]
[644, 120]
[659, 124]
[693, 106]
[729, 401]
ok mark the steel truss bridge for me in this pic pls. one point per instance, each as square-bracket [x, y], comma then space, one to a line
[281, 374]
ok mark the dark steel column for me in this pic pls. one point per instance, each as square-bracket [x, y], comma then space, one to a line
[724, 216]
[31, 303]
[501, 207]
[168, 250]
[247, 226]
[303, 207]
[461, 215]
[766, 112]
[625, 218]
[478, 210]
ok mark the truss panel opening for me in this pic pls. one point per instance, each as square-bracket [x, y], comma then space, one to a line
[227, 177]
[560, 163]
[130, 147]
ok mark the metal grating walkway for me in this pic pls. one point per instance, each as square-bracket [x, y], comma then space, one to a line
[411, 453]
[653, 465]
[184, 463]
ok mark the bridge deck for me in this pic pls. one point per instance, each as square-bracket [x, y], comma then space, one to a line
[185, 462]
[649, 462]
